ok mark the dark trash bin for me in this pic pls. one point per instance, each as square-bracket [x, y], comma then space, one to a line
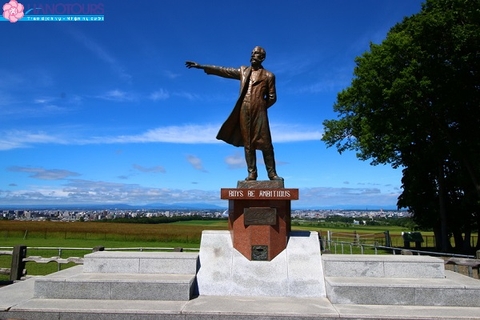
[412, 237]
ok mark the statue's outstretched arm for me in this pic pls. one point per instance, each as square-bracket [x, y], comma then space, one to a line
[232, 73]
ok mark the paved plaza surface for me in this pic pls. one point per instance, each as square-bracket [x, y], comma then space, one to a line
[17, 302]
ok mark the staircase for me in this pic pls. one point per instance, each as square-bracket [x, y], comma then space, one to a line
[166, 276]
[396, 280]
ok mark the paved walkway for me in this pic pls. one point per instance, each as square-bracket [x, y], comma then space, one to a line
[16, 302]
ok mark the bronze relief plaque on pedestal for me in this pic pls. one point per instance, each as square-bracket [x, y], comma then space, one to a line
[260, 216]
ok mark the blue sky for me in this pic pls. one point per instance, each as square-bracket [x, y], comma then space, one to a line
[106, 112]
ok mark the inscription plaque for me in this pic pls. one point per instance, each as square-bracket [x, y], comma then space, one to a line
[260, 216]
[260, 253]
[259, 194]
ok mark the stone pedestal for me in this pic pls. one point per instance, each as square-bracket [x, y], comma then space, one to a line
[296, 272]
[259, 217]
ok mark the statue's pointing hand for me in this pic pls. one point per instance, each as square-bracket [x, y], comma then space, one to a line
[191, 64]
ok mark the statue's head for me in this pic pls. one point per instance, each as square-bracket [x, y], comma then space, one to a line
[258, 55]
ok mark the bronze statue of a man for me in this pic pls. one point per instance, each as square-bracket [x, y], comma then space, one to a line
[247, 125]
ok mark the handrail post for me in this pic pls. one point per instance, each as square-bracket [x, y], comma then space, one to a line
[17, 266]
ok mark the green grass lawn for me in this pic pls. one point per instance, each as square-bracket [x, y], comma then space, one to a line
[206, 223]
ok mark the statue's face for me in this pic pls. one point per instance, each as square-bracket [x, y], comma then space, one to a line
[257, 56]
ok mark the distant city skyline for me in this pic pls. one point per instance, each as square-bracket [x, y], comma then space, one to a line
[175, 206]
[91, 214]
[105, 112]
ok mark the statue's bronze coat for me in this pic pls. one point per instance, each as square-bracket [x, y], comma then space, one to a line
[252, 121]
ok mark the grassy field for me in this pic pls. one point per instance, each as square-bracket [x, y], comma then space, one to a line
[48, 233]
[184, 234]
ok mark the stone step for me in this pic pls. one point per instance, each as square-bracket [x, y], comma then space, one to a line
[116, 286]
[454, 290]
[221, 308]
[141, 262]
[382, 266]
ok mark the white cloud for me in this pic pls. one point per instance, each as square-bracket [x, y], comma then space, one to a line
[47, 106]
[170, 74]
[160, 94]
[185, 134]
[52, 108]
[292, 133]
[117, 95]
[344, 197]
[44, 100]
[44, 174]
[235, 161]
[188, 96]
[77, 191]
[39, 107]
[196, 163]
[22, 139]
[156, 169]
[171, 134]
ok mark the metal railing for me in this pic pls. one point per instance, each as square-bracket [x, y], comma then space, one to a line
[342, 247]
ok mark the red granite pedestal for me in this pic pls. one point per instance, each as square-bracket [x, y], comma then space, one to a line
[259, 217]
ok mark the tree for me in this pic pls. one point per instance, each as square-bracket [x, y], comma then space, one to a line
[414, 103]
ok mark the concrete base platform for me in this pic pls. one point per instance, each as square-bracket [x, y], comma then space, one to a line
[357, 287]
[221, 308]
